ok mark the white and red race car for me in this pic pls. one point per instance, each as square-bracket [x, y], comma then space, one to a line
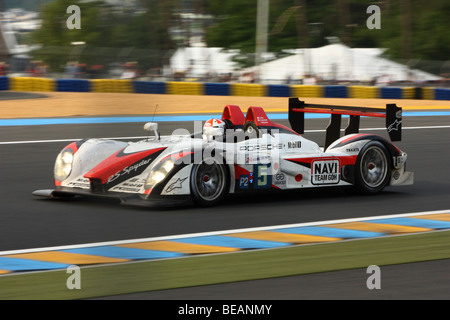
[235, 154]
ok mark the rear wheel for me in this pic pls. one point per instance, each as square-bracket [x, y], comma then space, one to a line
[373, 168]
[209, 183]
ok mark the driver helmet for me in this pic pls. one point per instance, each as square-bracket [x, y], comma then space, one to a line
[213, 128]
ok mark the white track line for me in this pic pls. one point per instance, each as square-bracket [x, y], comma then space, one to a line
[143, 137]
[216, 233]
[64, 140]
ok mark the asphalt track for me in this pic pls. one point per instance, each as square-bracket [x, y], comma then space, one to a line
[28, 222]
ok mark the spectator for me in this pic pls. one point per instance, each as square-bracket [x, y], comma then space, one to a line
[130, 71]
[71, 69]
[81, 71]
[3, 68]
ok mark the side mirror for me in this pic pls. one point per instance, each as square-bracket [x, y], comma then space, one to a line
[152, 126]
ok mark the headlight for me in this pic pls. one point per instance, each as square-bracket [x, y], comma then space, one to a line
[63, 164]
[159, 172]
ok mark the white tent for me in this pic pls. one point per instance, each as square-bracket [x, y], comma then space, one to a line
[338, 62]
[9, 45]
[331, 62]
[200, 61]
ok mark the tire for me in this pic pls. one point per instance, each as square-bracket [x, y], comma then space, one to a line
[251, 130]
[373, 168]
[209, 183]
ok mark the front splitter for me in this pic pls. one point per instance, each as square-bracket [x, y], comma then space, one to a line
[124, 198]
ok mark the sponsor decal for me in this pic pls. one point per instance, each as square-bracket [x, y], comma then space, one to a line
[127, 189]
[264, 147]
[252, 159]
[400, 160]
[352, 149]
[244, 181]
[279, 179]
[325, 171]
[175, 185]
[294, 144]
[259, 178]
[79, 183]
[133, 185]
[121, 166]
[394, 126]
[130, 169]
[396, 175]
[262, 120]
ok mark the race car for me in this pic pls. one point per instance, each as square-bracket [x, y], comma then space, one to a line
[235, 153]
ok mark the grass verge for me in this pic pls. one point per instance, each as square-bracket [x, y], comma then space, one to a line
[211, 269]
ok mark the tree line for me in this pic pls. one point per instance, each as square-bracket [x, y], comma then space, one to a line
[410, 29]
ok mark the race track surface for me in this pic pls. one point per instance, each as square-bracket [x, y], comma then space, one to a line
[413, 281]
[26, 164]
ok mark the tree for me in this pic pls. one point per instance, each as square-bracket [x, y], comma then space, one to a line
[106, 34]
[235, 22]
[57, 40]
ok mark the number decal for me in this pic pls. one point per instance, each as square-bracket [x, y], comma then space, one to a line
[263, 179]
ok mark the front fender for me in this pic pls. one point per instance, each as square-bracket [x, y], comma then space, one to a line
[87, 155]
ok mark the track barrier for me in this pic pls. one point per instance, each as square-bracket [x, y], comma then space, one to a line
[220, 89]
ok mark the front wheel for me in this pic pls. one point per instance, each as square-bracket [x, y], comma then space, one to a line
[209, 183]
[373, 168]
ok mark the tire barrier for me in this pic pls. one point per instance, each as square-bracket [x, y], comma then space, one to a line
[217, 89]
[248, 90]
[184, 88]
[307, 91]
[149, 87]
[408, 93]
[73, 85]
[31, 84]
[4, 83]
[221, 89]
[278, 91]
[441, 94]
[336, 92]
[428, 93]
[363, 92]
[391, 93]
[107, 85]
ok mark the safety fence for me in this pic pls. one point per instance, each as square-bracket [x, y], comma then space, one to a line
[221, 89]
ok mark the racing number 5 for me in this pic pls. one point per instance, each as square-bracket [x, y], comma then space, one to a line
[263, 179]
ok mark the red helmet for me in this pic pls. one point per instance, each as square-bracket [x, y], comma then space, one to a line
[214, 127]
[214, 123]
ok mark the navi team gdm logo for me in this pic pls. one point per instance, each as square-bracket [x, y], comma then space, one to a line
[325, 171]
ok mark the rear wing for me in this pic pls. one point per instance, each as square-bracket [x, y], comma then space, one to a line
[392, 113]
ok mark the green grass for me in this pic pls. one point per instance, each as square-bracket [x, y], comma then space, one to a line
[231, 267]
